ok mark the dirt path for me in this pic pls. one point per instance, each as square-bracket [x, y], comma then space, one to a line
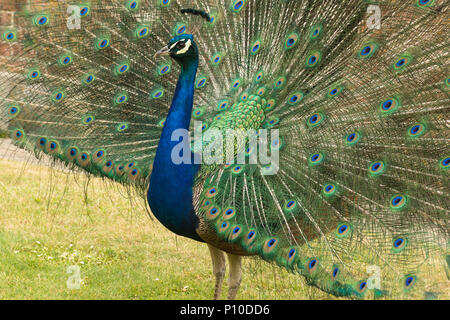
[8, 151]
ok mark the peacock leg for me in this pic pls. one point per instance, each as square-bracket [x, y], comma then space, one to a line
[219, 268]
[235, 277]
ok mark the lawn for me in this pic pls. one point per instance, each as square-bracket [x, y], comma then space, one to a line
[49, 223]
[54, 224]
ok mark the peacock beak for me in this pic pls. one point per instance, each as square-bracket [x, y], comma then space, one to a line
[163, 52]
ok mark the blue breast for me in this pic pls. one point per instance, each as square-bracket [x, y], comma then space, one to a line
[171, 185]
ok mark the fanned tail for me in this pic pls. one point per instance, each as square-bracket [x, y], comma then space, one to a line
[359, 91]
[359, 199]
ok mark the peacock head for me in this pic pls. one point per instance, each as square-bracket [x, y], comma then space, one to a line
[182, 49]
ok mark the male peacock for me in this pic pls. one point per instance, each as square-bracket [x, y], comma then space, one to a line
[357, 90]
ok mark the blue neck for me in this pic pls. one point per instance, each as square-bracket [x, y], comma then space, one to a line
[170, 191]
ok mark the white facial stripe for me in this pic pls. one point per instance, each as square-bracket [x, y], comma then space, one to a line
[171, 47]
[186, 47]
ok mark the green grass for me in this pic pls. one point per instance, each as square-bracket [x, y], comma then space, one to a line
[3, 134]
[48, 223]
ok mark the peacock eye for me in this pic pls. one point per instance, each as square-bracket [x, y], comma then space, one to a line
[180, 45]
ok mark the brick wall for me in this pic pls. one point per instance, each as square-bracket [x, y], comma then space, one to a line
[7, 9]
[7, 19]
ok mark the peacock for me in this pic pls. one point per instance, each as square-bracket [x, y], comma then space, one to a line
[310, 134]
